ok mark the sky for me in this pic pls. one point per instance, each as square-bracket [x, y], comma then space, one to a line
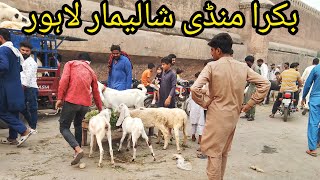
[313, 3]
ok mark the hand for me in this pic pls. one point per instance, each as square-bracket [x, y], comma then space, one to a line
[58, 104]
[245, 108]
[24, 87]
[167, 102]
[303, 102]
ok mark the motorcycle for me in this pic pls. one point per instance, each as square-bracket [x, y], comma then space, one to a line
[182, 96]
[287, 104]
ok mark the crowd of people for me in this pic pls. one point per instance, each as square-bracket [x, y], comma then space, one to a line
[217, 95]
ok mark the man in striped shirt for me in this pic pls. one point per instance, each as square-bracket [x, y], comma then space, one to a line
[289, 80]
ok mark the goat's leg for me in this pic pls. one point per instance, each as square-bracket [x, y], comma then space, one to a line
[135, 138]
[128, 140]
[99, 142]
[122, 139]
[144, 136]
[176, 133]
[110, 145]
[91, 144]
[165, 133]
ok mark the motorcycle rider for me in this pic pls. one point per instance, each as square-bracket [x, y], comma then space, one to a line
[289, 80]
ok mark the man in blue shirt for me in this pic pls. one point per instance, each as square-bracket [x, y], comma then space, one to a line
[11, 91]
[120, 74]
[314, 107]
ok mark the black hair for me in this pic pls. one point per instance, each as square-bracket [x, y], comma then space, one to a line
[250, 59]
[115, 47]
[277, 73]
[84, 56]
[260, 60]
[26, 44]
[294, 65]
[151, 65]
[159, 67]
[166, 60]
[222, 41]
[197, 74]
[5, 34]
[172, 56]
[315, 61]
[287, 63]
[179, 71]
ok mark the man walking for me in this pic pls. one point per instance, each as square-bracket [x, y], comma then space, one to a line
[120, 75]
[314, 105]
[11, 92]
[251, 89]
[226, 80]
[74, 94]
[304, 78]
[29, 83]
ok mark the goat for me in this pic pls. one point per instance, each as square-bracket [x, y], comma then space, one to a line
[164, 118]
[134, 127]
[97, 126]
[112, 98]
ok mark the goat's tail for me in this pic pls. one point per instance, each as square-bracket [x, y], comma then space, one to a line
[143, 89]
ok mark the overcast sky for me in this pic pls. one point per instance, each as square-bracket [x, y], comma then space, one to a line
[313, 3]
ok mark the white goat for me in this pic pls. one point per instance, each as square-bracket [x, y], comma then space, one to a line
[112, 98]
[164, 118]
[134, 127]
[97, 126]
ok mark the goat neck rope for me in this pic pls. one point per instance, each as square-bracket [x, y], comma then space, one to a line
[104, 88]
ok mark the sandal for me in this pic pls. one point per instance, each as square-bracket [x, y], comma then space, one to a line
[314, 154]
[24, 138]
[271, 116]
[9, 141]
[77, 158]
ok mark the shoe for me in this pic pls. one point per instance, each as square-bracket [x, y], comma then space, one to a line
[77, 158]
[244, 117]
[250, 119]
[24, 138]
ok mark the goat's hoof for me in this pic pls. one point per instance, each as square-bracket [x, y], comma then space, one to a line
[164, 148]
[127, 149]
[90, 156]
[119, 150]
[179, 151]
[158, 142]
[154, 159]
[100, 165]
[132, 160]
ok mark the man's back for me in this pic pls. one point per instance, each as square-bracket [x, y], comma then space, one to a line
[13, 98]
[75, 83]
[289, 80]
[306, 73]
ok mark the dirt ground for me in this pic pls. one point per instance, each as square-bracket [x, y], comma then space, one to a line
[276, 147]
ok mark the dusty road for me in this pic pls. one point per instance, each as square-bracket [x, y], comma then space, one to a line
[274, 146]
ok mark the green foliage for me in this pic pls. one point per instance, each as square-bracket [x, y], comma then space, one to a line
[113, 119]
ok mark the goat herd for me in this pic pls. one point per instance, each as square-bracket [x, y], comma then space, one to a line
[134, 121]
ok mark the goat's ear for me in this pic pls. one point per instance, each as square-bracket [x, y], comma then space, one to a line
[121, 117]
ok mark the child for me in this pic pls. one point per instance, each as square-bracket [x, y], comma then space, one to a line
[157, 82]
[168, 84]
[180, 81]
[146, 77]
[197, 118]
